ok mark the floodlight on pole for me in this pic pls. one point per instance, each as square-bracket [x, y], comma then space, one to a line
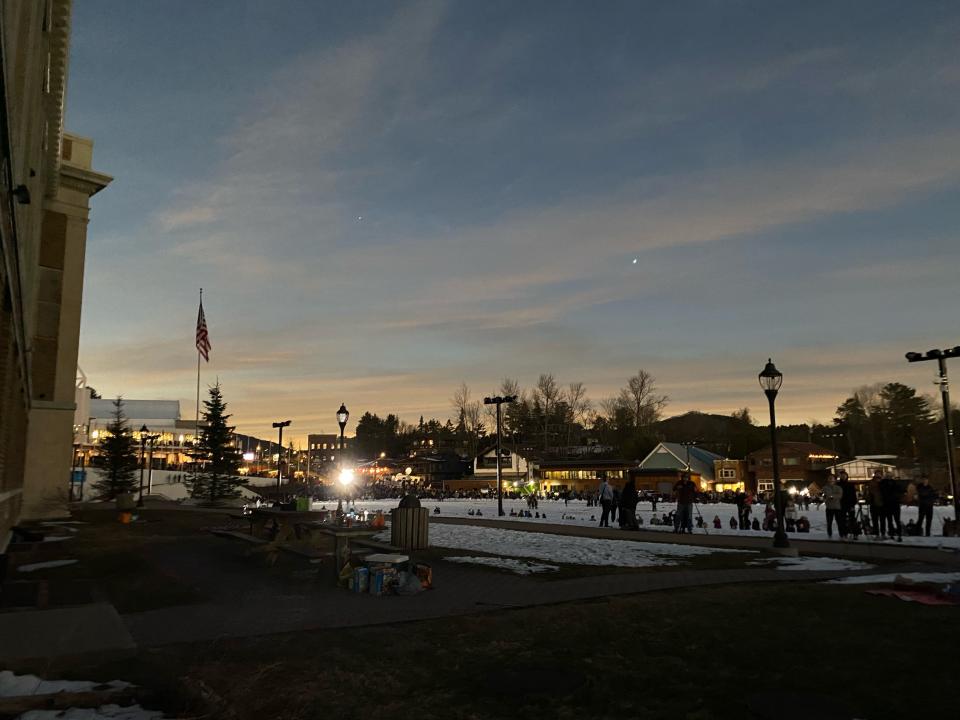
[280, 425]
[941, 357]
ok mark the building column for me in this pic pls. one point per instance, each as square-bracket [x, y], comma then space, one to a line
[56, 337]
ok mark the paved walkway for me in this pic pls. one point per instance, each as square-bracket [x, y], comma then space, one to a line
[246, 599]
[858, 549]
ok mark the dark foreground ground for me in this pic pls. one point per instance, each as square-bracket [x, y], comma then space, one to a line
[760, 650]
[721, 652]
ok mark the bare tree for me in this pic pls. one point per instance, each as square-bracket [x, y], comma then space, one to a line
[641, 398]
[547, 393]
[469, 417]
[576, 399]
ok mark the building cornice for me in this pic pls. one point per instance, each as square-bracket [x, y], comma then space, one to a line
[59, 45]
[86, 181]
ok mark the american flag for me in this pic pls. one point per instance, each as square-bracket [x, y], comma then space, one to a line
[203, 337]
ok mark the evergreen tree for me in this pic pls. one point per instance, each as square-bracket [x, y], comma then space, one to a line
[216, 477]
[119, 452]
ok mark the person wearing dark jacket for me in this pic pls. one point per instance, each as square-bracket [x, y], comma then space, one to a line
[875, 498]
[686, 492]
[891, 493]
[628, 505]
[848, 502]
[926, 497]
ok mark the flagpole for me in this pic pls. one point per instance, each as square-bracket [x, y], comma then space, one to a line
[196, 432]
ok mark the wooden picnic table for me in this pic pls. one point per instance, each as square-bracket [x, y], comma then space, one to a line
[341, 535]
[286, 520]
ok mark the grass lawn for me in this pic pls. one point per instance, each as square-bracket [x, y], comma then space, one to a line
[704, 653]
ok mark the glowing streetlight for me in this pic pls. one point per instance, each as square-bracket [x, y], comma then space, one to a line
[346, 477]
[770, 380]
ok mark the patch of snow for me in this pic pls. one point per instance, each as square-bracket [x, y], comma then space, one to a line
[520, 567]
[105, 712]
[563, 548]
[43, 565]
[934, 577]
[57, 523]
[12, 685]
[809, 563]
[57, 538]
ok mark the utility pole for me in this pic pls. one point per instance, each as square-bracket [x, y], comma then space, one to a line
[941, 357]
[499, 401]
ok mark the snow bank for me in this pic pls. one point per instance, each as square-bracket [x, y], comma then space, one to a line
[520, 567]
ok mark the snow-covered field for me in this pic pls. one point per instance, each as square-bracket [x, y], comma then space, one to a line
[572, 550]
[578, 514]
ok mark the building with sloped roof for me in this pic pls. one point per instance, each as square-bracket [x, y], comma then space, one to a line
[668, 461]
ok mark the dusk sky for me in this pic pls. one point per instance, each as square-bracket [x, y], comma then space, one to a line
[383, 199]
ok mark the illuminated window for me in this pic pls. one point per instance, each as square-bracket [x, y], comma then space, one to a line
[791, 461]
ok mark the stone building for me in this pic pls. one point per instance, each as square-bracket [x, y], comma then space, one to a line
[47, 181]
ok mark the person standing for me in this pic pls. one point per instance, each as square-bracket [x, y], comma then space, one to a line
[686, 492]
[926, 497]
[605, 496]
[848, 502]
[615, 505]
[875, 498]
[741, 501]
[832, 498]
[628, 505]
[891, 493]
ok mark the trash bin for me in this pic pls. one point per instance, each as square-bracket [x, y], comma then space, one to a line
[408, 528]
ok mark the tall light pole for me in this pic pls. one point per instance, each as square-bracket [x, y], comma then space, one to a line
[280, 426]
[833, 446]
[689, 444]
[144, 431]
[941, 357]
[770, 380]
[499, 400]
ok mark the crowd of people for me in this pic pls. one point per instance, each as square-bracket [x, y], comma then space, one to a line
[883, 497]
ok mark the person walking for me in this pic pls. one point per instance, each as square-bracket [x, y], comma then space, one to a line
[875, 498]
[832, 498]
[628, 505]
[686, 492]
[891, 493]
[926, 497]
[605, 496]
[848, 523]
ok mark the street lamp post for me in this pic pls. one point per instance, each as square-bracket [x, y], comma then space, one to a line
[280, 426]
[499, 401]
[151, 438]
[144, 431]
[342, 416]
[941, 357]
[770, 380]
